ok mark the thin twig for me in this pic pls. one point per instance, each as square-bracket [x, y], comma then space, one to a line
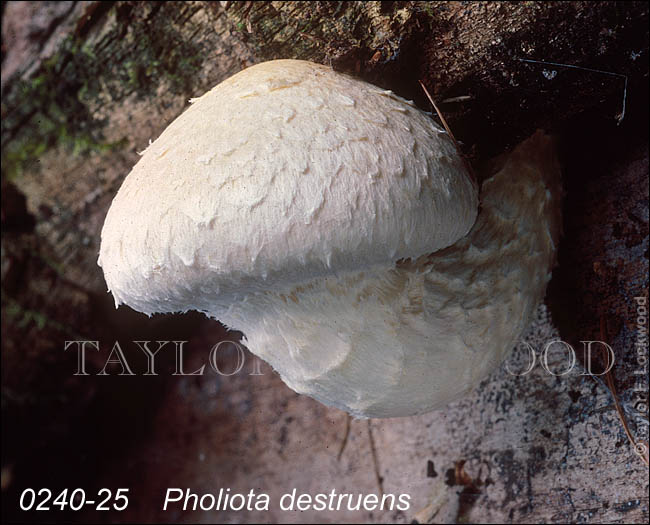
[460, 98]
[348, 424]
[448, 130]
[442, 119]
[375, 460]
[620, 117]
[640, 448]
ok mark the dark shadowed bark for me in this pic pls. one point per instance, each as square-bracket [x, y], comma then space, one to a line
[86, 85]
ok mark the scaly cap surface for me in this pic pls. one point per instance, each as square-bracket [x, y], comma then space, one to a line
[285, 172]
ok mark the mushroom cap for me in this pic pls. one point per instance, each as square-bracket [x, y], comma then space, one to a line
[285, 172]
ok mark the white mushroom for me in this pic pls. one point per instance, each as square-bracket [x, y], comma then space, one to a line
[301, 206]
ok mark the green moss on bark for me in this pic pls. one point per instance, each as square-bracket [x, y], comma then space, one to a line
[52, 107]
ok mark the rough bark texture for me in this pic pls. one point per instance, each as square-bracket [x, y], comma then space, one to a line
[85, 85]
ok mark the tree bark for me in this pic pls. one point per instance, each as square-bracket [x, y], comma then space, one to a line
[86, 85]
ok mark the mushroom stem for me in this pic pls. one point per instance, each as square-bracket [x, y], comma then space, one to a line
[407, 339]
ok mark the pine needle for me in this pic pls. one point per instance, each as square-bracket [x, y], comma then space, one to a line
[448, 130]
[640, 448]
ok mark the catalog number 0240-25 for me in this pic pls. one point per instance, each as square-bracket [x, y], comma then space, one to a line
[44, 500]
